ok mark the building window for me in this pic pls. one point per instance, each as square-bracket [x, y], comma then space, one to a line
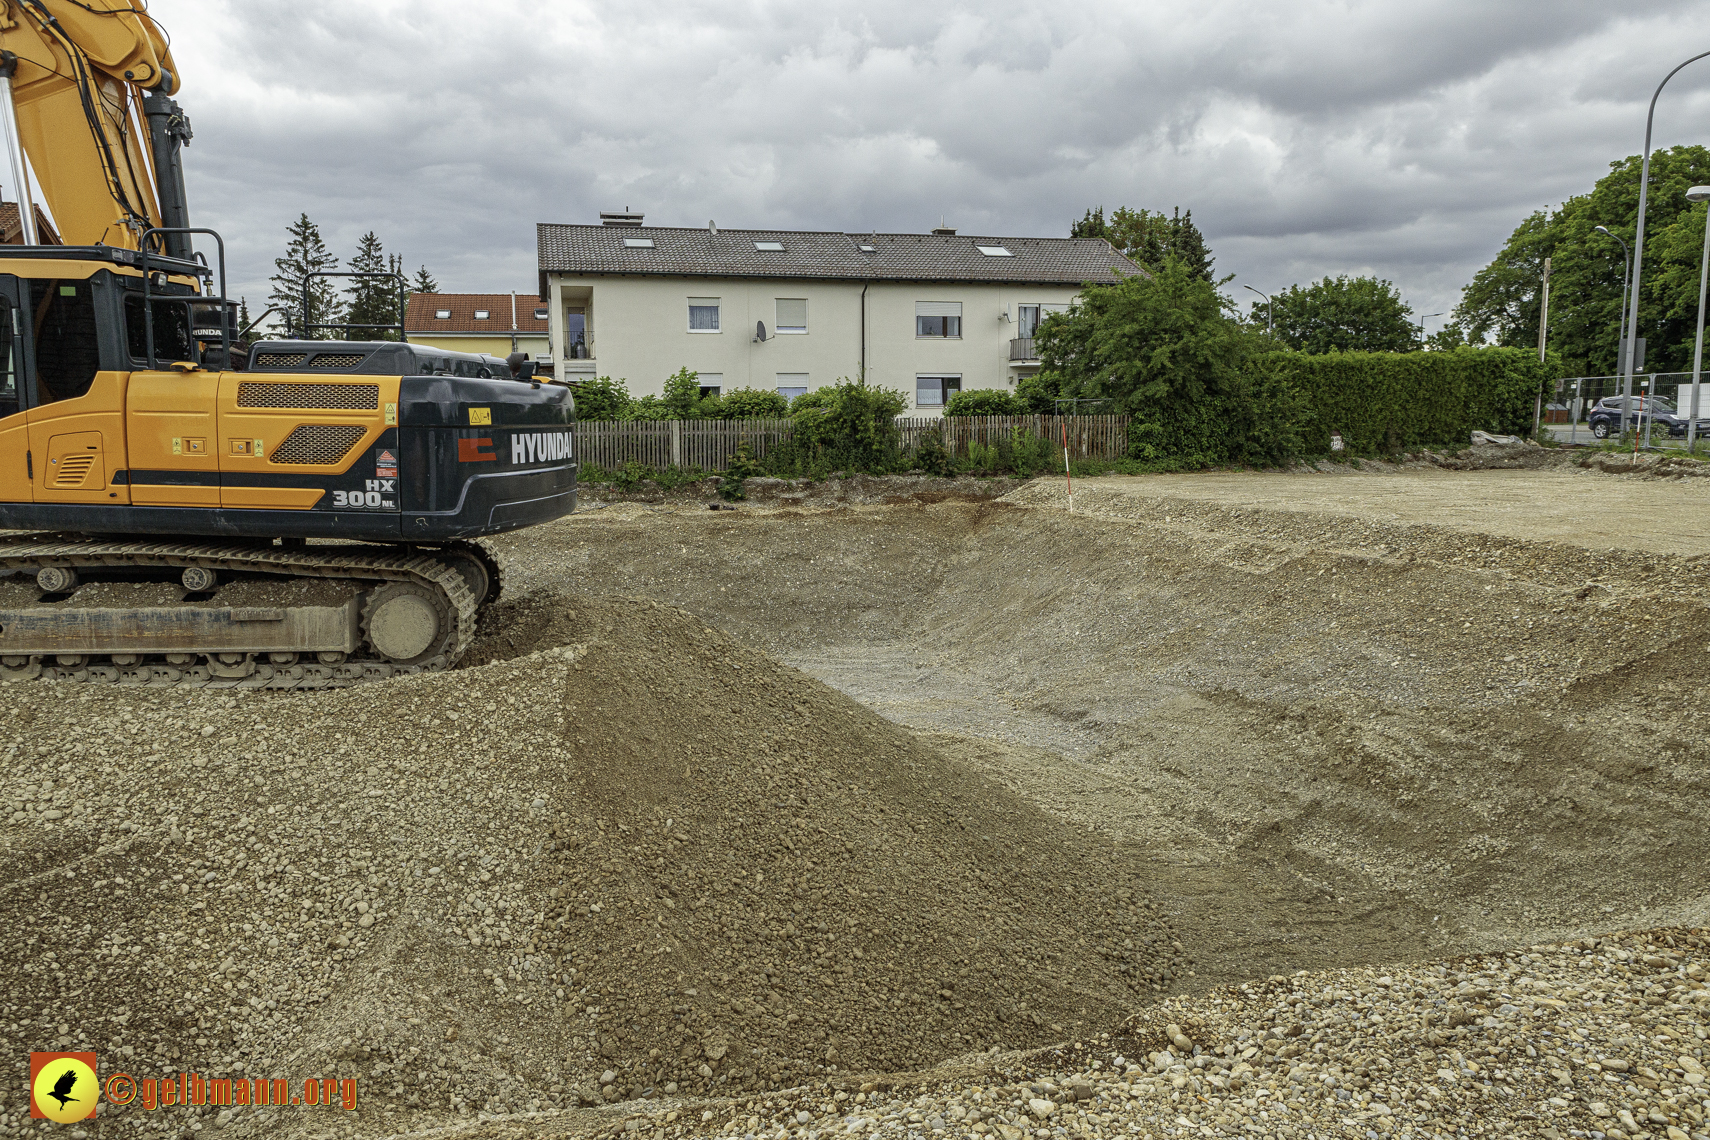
[769, 246]
[935, 391]
[792, 384]
[483, 314]
[703, 314]
[994, 251]
[792, 314]
[938, 318]
[540, 314]
[638, 243]
[442, 314]
[712, 384]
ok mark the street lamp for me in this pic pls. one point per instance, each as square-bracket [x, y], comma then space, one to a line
[1422, 321]
[1270, 324]
[1620, 344]
[1639, 240]
[1698, 194]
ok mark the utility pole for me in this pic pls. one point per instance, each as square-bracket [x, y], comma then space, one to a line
[1543, 334]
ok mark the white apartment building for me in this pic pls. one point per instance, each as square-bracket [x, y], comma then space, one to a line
[929, 314]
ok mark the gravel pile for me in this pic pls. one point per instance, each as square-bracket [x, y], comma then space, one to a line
[1602, 1038]
[649, 862]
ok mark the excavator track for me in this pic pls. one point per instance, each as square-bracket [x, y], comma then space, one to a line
[436, 584]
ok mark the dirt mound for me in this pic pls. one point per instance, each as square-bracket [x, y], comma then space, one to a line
[653, 852]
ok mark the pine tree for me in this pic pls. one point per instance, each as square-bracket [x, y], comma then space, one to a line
[243, 315]
[373, 300]
[1092, 225]
[1187, 244]
[424, 282]
[305, 253]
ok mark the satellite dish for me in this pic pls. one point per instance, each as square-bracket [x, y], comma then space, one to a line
[760, 330]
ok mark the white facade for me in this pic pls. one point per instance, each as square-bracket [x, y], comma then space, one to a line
[640, 329]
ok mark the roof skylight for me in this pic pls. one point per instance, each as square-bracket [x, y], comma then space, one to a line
[769, 246]
[540, 314]
[866, 248]
[638, 243]
[994, 251]
[442, 314]
[483, 314]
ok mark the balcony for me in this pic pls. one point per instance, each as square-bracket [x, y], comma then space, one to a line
[1021, 350]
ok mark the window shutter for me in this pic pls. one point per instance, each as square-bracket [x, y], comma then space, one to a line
[938, 308]
[792, 313]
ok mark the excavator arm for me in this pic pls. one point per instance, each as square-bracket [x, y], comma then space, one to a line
[90, 81]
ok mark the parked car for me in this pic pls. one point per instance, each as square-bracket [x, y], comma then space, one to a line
[1605, 418]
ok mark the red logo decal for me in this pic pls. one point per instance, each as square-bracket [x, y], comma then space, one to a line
[470, 450]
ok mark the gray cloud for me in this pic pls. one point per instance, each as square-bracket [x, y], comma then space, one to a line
[1309, 138]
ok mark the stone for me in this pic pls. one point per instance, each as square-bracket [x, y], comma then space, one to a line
[1041, 1108]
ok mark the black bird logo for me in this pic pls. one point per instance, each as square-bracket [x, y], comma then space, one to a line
[62, 1087]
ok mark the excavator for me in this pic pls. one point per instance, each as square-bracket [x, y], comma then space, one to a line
[183, 512]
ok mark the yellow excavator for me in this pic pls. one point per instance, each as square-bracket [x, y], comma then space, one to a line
[166, 479]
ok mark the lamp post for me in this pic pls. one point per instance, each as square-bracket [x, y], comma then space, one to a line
[1698, 194]
[1422, 321]
[1270, 324]
[1639, 239]
[1621, 341]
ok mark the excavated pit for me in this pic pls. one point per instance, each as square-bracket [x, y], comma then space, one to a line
[1342, 740]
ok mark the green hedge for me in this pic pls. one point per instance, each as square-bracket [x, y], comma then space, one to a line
[1385, 402]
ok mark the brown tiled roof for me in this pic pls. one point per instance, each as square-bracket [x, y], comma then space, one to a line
[593, 250]
[12, 234]
[419, 316]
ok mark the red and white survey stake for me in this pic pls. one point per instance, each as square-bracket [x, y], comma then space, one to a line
[1066, 478]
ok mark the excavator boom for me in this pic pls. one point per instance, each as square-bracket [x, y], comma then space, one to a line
[90, 84]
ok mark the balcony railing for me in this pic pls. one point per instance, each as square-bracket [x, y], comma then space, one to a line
[1021, 348]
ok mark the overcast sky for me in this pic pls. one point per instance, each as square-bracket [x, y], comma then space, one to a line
[1310, 137]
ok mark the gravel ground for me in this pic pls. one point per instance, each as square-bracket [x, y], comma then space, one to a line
[1602, 1038]
[629, 873]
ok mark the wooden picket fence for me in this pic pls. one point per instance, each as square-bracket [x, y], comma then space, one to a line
[1089, 437]
[709, 444]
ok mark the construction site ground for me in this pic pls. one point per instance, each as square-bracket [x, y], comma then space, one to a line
[1352, 802]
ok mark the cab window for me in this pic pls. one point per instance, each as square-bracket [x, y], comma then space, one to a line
[171, 331]
[62, 318]
[8, 360]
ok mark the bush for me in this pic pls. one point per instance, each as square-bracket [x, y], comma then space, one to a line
[602, 399]
[1391, 402]
[752, 404]
[985, 402]
[930, 455]
[736, 473]
[849, 424]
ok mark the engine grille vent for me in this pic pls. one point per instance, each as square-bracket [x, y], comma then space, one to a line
[73, 469]
[257, 394]
[318, 443]
[280, 359]
[337, 360]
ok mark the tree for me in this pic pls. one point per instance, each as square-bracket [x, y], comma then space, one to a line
[423, 282]
[1166, 349]
[373, 300]
[1344, 314]
[854, 421]
[305, 253]
[1501, 303]
[1148, 238]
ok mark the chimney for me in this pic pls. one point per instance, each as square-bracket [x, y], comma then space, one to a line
[942, 230]
[620, 217]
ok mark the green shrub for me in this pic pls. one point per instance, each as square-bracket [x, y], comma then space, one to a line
[1384, 403]
[753, 404]
[742, 465]
[929, 454]
[985, 402]
[602, 399]
[850, 424]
